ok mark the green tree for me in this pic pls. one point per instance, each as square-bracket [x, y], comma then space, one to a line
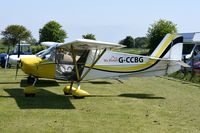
[31, 41]
[141, 42]
[52, 32]
[157, 31]
[128, 42]
[13, 34]
[89, 36]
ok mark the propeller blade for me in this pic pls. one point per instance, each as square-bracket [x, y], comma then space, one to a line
[16, 71]
[18, 50]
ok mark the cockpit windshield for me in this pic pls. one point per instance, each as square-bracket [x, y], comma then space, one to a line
[47, 54]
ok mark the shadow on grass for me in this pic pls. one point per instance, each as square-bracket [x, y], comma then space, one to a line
[99, 82]
[6, 82]
[43, 100]
[132, 95]
[40, 83]
[140, 96]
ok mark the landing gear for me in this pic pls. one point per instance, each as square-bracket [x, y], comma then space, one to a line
[30, 91]
[30, 79]
[77, 93]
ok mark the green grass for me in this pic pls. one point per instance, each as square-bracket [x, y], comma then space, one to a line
[140, 51]
[187, 76]
[138, 105]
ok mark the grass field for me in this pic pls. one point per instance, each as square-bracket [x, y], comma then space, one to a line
[136, 105]
[141, 51]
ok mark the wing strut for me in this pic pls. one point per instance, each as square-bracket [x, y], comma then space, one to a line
[75, 62]
[93, 64]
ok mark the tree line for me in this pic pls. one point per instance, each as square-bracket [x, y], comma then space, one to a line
[52, 31]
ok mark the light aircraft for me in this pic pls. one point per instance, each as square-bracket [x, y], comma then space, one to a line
[84, 59]
[23, 51]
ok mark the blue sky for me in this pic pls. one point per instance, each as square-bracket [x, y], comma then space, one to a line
[109, 20]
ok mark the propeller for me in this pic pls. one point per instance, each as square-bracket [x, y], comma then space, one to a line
[18, 62]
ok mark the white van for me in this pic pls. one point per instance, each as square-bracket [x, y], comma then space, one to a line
[191, 45]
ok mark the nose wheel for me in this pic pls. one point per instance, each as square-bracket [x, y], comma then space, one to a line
[30, 91]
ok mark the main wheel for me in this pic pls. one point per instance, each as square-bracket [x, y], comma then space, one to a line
[66, 93]
[78, 97]
[2, 64]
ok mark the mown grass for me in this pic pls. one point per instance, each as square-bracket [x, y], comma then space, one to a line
[136, 105]
[187, 76]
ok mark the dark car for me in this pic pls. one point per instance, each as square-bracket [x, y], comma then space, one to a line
[2, 59]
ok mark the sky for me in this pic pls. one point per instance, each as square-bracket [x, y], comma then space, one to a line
[109, 20]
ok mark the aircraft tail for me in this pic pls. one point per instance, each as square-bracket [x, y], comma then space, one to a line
[169, 48]
[169, 51]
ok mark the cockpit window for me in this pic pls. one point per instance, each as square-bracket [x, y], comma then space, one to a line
[48, 54]
[64, 56]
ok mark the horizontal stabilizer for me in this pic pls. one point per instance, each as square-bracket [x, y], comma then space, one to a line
[183, 64]
[178, 61]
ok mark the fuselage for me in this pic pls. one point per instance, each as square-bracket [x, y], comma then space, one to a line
[86, 62]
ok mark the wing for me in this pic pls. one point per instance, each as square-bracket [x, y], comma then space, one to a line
[49, 44]
[86, 44]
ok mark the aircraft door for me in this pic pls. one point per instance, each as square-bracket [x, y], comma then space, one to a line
[64, 63]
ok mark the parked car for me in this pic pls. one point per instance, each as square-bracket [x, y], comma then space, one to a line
[25, 49]
[2, 59]
[190, 50]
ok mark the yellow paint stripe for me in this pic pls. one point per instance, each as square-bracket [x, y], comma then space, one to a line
[124, 68]
[137, 67]
[165, 45]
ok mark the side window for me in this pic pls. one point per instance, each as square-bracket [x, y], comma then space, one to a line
[63, 56]
[187, 48]
[51, 56]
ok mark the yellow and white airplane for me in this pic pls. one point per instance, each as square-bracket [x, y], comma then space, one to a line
[85, 59]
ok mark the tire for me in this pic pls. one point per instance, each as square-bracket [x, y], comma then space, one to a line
[30, 95]
[2, 65]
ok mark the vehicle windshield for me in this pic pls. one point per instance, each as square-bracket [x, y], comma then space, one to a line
[187, 48]
[23, 48]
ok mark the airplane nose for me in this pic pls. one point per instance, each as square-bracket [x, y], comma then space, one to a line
[29, 65]
[24, 64]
